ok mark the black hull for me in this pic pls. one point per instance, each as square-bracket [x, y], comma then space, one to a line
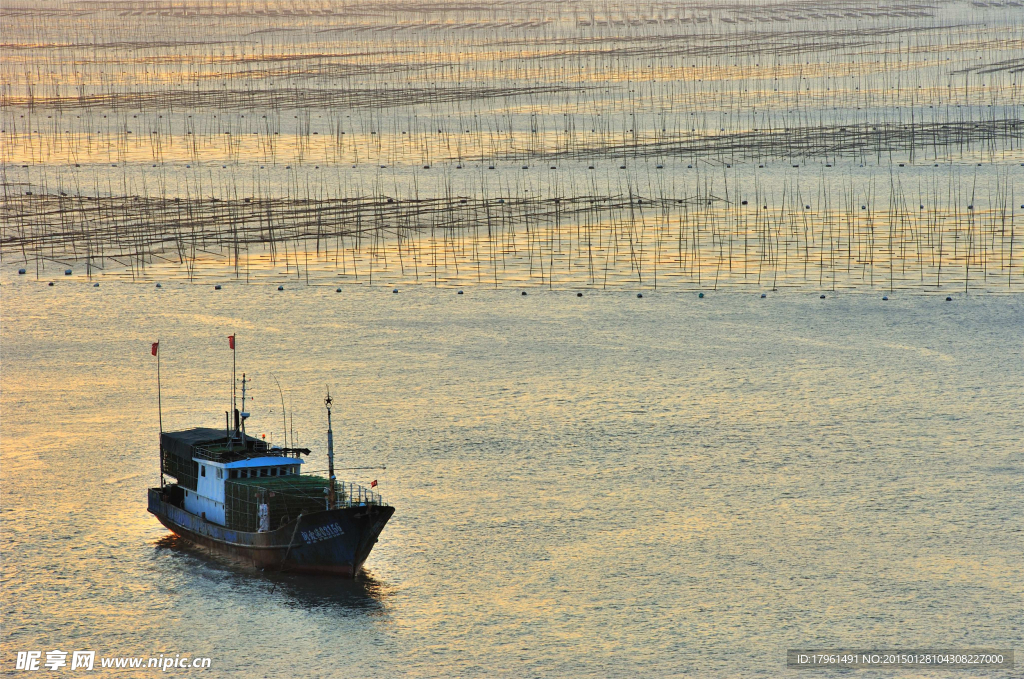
[330, 542]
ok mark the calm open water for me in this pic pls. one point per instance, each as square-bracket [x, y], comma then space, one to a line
[597, 486]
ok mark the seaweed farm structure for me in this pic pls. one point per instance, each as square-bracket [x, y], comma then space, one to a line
[819, 144]
[241, 497]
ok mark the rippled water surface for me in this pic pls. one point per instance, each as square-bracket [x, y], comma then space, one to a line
[595, 486]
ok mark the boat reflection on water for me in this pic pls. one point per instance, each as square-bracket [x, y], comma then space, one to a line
[362, 593]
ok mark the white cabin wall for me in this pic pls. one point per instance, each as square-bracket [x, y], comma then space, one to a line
[199, 505]
[209, 495]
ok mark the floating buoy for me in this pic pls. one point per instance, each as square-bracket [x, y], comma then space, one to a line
[885, 299]
[67, 272]
[701, 295]
[21, 272]
[460, 292]
[579, 294]
[948, 299]
[216, 287]
[395, 291]
[524, 293]
[95, 285]
[822, 297]
[159, 286]
[50, 284]
[280, 287]
[763, 295]
[639, 295]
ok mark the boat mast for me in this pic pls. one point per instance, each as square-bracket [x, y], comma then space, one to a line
[234, 402]
[284, 416]
[244, 414]
[330, 452]
[159, 409]
[159, 405]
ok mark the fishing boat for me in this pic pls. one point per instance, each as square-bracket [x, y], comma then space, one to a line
[249, 500]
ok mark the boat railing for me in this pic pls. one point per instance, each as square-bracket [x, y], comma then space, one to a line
[286, 497]
[354, 495]
[345, 494]
[259, 449]
[348, 494]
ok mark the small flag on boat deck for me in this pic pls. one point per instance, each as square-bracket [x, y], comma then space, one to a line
[373, 484]
[231, 341]
[155, 346]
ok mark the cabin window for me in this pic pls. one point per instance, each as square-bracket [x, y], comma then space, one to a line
[220, 473]
[295, 470]
[260, 472]
[234, 473]
[202, 470]
[273, 472]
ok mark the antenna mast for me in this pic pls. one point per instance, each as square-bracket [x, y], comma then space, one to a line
[330, 451]
[243, 413]
[284, 421]
[234, 406]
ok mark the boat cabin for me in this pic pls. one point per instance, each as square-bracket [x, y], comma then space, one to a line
[208, 499]
[203, 460]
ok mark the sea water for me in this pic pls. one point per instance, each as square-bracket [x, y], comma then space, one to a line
[602, 486]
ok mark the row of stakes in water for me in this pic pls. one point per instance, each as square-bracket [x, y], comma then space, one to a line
[67, 272]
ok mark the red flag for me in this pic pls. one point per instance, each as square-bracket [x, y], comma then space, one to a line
[155, 345]
[231, 341]
[373, 484]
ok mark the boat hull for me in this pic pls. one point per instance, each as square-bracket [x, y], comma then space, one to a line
[330, 542]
